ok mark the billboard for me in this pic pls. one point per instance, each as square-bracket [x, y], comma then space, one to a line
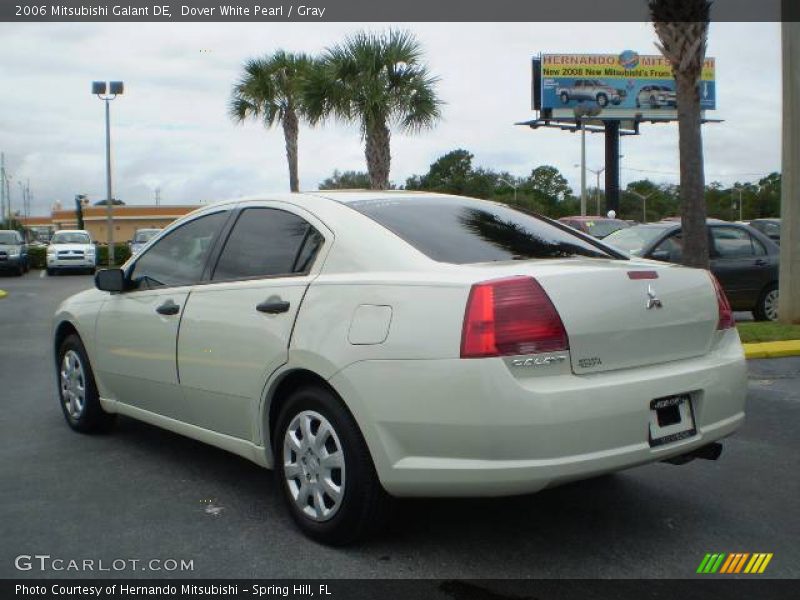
[613, 86]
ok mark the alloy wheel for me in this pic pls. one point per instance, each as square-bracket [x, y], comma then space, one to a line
[73, 384]
[313, 465]
[771, 305]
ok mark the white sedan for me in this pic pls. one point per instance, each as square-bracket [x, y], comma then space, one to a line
[376, 344]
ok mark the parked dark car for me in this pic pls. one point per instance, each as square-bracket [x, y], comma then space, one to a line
[13, 252]
[769, 227]
[598, 227]
[744, 260]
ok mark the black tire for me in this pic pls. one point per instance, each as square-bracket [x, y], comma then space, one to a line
[365, 505]
[51, 272]
[766, 308]
[602, 100]
[20, 270]
[91, 418]
[564, 98]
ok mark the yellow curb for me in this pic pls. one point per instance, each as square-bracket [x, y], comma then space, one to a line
[3, 293]
[772, 349]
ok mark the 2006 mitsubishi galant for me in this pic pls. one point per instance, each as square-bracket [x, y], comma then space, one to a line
[377, 344]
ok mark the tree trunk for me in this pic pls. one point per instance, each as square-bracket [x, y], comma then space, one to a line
[692, 189]
[290, 134]
[378, 154]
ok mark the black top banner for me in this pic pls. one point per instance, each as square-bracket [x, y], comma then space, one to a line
[378, 10]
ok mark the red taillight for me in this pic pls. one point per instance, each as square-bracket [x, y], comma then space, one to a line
[511, 316]
[726, 320]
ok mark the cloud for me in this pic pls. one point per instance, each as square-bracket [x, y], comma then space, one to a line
[171, 129]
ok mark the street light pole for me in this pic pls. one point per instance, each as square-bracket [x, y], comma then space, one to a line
[107, 92]
[583, 168]
[512, 185]
[597, 172]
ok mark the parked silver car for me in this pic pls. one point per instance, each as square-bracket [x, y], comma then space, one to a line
[140, 239]
[593, 90]
[656, 96]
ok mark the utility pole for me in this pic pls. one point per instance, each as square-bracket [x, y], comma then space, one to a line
[789, 282]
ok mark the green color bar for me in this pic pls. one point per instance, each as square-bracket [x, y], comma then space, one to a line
[718, 564]
[702, 566]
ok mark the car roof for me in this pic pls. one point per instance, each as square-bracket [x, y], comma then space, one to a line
[73, 231]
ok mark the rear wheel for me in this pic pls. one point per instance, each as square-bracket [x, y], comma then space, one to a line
[77, 390]
[602, 100]
[767, 307]
[324, 469]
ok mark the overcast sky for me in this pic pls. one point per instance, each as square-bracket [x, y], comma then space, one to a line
[171, 129]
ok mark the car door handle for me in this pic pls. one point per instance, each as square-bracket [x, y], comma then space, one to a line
[273, 306]
[760, 262]
[168, 308]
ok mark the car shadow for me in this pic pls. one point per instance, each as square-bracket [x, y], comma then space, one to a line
[612, 507]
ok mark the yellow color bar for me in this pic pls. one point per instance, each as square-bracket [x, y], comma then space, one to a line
[765, 563]
[754, 562]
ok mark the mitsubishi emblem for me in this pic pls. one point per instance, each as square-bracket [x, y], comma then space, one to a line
[652, 300]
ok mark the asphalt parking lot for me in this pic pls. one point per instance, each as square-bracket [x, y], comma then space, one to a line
[143, 493]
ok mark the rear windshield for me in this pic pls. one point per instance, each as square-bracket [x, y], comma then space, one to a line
[461, 230]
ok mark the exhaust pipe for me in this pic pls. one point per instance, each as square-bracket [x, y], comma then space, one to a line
[710, 451]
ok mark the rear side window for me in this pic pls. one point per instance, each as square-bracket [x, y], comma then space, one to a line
[461, 230]
[732, 242]
[267, 242]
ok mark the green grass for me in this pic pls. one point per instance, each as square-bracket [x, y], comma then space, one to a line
[767, 332]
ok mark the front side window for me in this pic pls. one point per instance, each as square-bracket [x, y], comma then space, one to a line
[670, 250]
[267, 242]
[180, 256]
[461, 230]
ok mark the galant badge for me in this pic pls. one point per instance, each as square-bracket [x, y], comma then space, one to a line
[652, 300]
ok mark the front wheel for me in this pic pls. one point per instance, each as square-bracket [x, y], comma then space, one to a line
[324, 469]
[564, 97]
[767, 307]
[78, 391]
[602, 100]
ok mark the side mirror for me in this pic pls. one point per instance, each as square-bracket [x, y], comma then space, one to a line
[110, 280]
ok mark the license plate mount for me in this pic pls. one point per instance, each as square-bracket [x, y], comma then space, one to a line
[671, 419]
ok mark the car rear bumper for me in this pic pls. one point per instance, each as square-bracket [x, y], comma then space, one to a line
[474, 427]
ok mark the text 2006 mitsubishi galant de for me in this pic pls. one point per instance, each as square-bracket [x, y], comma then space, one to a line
[376, 344]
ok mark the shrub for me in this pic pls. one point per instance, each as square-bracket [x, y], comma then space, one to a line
[37, 257]
[121, 253]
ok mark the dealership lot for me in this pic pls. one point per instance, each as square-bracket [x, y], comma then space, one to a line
[142, 493]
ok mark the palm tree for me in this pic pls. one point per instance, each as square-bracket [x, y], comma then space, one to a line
[376, 80]
[682, 29]
[270, 90]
